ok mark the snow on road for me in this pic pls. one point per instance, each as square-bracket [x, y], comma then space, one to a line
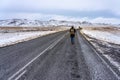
[12, 38]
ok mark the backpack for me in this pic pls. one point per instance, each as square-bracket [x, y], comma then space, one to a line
[72, 31]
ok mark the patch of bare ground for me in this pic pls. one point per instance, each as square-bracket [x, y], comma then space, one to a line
[24, 29]
[108, 29]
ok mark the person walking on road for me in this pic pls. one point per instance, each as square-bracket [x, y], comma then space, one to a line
[72, 34]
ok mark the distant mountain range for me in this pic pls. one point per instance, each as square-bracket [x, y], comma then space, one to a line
[26, 22]
[50, 23]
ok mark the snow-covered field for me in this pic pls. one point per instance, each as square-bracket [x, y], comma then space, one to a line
[104, 35]
[107, 42]
[13, 35]
[16, 37]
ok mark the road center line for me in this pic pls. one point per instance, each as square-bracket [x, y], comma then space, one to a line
[50, 47]
[21, 75]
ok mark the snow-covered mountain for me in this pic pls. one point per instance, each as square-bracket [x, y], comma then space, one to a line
[26, 22]
[20, 22]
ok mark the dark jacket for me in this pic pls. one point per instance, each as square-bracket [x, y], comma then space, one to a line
[72, 32]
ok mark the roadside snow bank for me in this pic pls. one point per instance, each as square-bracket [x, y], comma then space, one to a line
[105, 36]
[13, 38]
[102, 41]
[113, 62]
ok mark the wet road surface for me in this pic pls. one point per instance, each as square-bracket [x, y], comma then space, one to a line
[53, 57]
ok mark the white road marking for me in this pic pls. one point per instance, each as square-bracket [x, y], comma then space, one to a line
[117, 76]
[50, 47]
[21, 75]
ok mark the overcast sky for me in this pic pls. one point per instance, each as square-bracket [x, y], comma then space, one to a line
[91, 10]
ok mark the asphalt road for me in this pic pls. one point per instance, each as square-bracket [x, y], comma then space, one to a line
[53, 57]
